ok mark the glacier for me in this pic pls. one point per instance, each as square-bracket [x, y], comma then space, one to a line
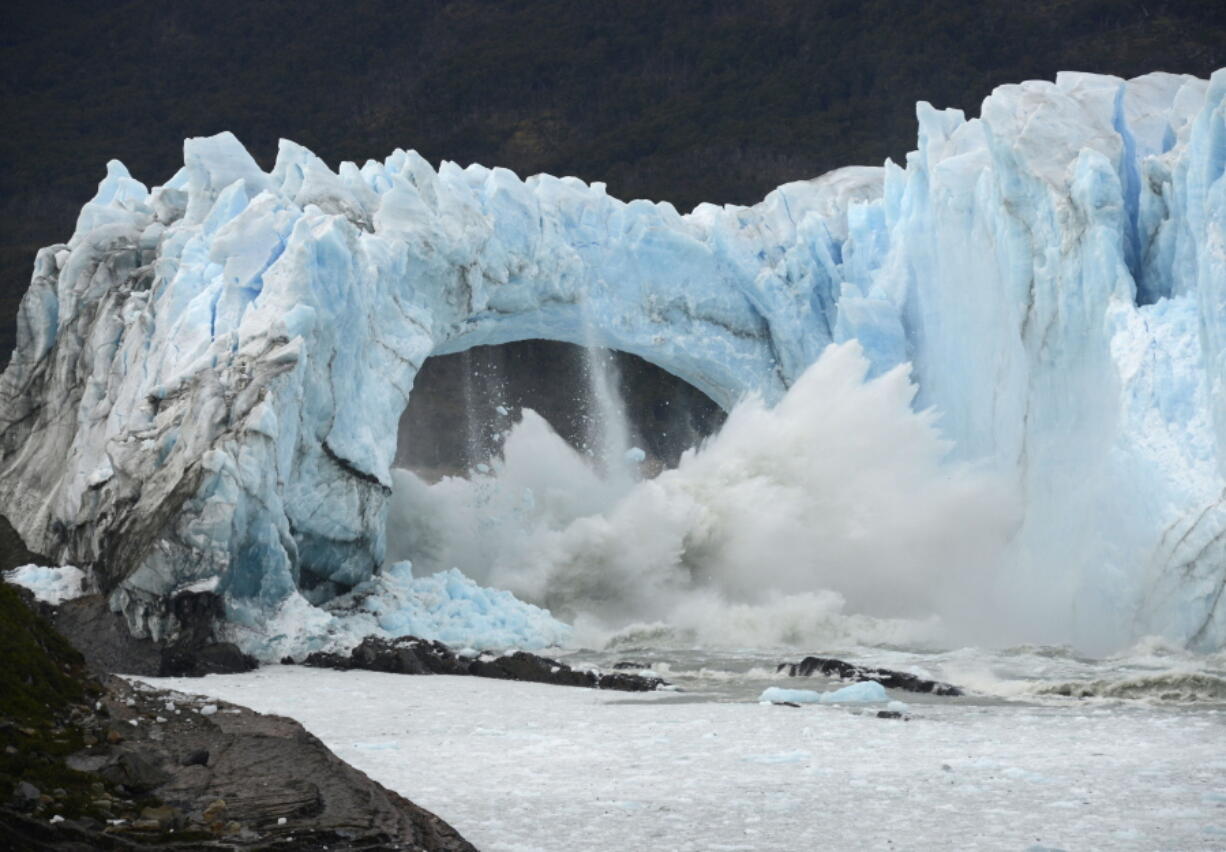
[209, 374]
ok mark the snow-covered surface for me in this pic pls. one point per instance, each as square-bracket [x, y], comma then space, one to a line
[214, 369]
[518, 766]
[50, 585]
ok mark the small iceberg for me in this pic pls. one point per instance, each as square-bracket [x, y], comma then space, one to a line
[865, 692]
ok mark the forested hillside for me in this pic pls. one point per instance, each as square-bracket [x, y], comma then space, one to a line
[682, 100]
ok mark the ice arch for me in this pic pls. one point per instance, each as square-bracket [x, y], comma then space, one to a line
[209, 375]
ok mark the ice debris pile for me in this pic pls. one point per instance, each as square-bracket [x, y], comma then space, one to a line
[208, 375]
[447, 607]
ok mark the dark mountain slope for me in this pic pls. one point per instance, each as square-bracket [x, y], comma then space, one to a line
[686, 100]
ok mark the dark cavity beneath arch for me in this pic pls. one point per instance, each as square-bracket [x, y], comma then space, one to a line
[453, 412]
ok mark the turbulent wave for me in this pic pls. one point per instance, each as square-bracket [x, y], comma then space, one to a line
[1169, 686]
[834, 513]
[802, 620]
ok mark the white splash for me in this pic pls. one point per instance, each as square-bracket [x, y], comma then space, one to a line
[837, 499]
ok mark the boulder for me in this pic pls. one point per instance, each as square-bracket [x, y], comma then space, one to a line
[410, 655]
[889, 678]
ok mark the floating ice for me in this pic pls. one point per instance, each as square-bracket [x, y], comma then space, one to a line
[864, 692]
[478, 749]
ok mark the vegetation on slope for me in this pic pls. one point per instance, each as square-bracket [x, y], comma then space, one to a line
[44, 695]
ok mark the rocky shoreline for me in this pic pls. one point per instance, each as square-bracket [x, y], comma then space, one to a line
[91, 761]
[410, 655]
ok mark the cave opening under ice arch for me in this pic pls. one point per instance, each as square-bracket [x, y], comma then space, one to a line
[463, 402]
[501, 442]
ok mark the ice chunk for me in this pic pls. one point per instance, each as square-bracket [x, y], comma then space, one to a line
[446, 606]
[864, 692]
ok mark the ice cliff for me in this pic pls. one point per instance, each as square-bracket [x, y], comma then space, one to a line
[209, 375]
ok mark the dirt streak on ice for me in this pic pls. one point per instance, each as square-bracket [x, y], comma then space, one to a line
[519, 766]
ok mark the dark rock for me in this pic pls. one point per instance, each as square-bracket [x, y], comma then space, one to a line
[214, 811]
[265, 767]
[296, 799]
[524, 666]
[410, 655]
[629, 683]
[26, 795]
[262, 768]
[630, 665]
[888, 678]
[199, 757]
[103, 639]
[134, 770]
[163, 816]
[86, 762]
[13, 550]
[86, 824]
[405, 655]
[194, 615]
[212, 658]
[326, 660]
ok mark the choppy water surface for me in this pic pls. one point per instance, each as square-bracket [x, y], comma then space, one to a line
[1152, 674]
